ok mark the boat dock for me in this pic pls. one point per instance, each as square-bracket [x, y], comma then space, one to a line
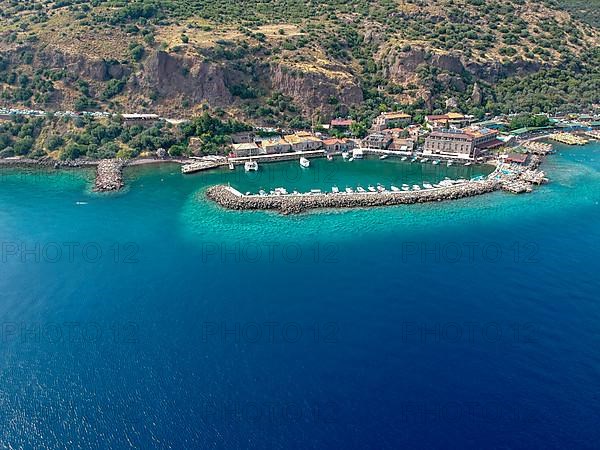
[278, 157]
[538, 148]
[568, 138]
[203, 163]
[109, 175]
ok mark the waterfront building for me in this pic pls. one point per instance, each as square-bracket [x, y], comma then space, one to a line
[338, 145]
[391, 119]
[303, 141]
[275, 145]
[466, 143]
[402, 144]
[245, 149]
[377, 140]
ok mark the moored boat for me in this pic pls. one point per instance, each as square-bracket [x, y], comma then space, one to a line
[345, 155]
[335, 189]
[394, 188]
[250, 166]
[436, 162]
[371, 188]
[416, 187]
[405, 187]
[384, 156]
[404, 158]
[360, 189]
[304, 162]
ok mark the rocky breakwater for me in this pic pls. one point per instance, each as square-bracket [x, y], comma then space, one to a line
[109, 175]
[229, 198]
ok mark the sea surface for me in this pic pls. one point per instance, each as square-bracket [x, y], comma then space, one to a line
[152, 318]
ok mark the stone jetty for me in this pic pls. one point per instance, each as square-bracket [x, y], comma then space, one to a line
[229, 198]
[109, 175]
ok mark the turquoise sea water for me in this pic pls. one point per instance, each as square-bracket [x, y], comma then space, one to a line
[152, 318]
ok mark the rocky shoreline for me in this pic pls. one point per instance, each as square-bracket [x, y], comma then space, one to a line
[229, 198]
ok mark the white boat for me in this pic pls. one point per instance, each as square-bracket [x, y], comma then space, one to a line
[413, 160]
[345, 155]
[416, 187]
[449, 163]
[335, 189]
[384, 156]
[349, 190]
[468, 164]
[329, 157]
[81, 203]
[436, 162]
[231, 166]
[405, 187]
[250, 166]
[371, 188]
[427, 185]
[424, 160]
[404, 158]
[381, 188]
[304, 162]
[395, 189]
[351, 159]
[315, 191]
[281, 191]
[360, 189]
[357, 153]
[262, 192]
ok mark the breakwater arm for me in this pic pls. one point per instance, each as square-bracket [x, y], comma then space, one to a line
[228, 197]
[109, 175]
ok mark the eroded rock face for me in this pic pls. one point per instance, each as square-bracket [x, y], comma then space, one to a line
[313, 90]
[172, 75]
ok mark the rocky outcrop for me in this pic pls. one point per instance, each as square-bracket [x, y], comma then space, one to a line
[312, 90]
[172, 75]
[402, 66]
[476, 95]
[96, 69]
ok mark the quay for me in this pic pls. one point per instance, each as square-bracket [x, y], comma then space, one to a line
[203, 163]
[278, 157]
[109, 175]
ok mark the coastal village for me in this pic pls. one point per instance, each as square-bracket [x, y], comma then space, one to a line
[442, 139]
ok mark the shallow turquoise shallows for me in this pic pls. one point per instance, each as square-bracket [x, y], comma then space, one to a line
[153, 318]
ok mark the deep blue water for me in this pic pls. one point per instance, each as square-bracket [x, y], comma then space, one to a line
[152, 318]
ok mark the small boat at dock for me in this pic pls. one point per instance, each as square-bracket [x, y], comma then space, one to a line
[329, 157]
[416, 187]
[404, 158]
[250, 166]
[360, 189]
[262, 192]
[231, 166]
[449, 163]
[345, 155]
[468, 164]
[351, 159]
[424, 160]
[414, 159]
[384, 156]
[381, 188]
[349, 190]
[427, 185]
[436, 162]
[405, 187]
[335, 189]
[395, 189]
[371, 188]
[304, 162]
